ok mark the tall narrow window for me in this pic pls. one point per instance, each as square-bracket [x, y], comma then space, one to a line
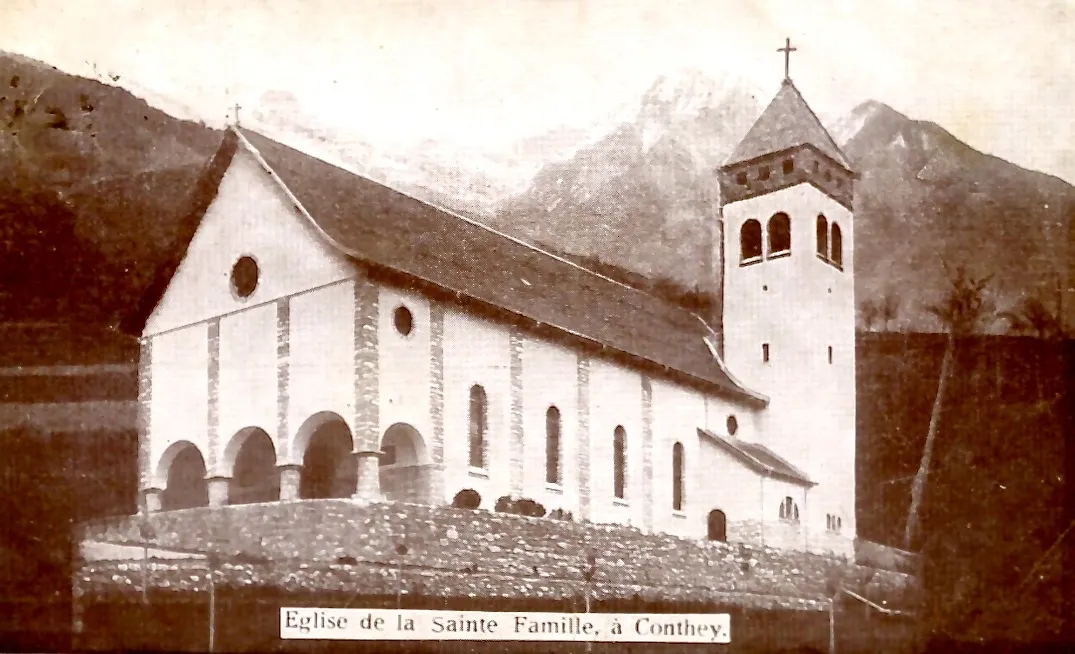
[750, 241]
[765, 352]
[619, 463]
[779, 234]
[552, 445]
[830, 354]
[479, 424]
[837, 256]
[822, 237]
[677, 477]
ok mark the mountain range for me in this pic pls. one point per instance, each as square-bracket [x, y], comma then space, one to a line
[94, 181]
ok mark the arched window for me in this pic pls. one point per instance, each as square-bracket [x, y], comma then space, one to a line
[822, 237]
[779, 234]
[552, 445]
[677, 477]
[750, 241]
[479, 424]
[619, 463]
[837, 256]
[789, 510]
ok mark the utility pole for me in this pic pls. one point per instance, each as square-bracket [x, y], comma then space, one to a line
[401, 550]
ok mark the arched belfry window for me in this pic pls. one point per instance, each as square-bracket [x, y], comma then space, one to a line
[750, 241]
[552, 445]
[677, 477]
[479, 425]
[822, 237]
[619, 463]
[837, 256]
[779, 234]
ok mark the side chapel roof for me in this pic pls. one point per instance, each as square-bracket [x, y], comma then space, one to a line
[786, 123]
[759, 458]
[373, 223]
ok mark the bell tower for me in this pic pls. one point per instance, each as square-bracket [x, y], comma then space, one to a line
[789, 300]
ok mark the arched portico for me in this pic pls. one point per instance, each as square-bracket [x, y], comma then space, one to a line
[405, 468]
[250, 461]
[325, 447]
[181, 473]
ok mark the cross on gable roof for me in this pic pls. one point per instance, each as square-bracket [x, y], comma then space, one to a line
[392, 231]
[786, 123]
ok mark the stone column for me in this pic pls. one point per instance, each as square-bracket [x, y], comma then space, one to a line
[516, 443]
[647, 454]
[368, 488]
[290, 474]
[583, 406]
[218, 491]
[151, 499]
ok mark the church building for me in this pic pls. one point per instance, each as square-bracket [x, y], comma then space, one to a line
[322, 335]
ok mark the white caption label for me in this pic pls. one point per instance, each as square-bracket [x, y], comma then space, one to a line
[388, 624]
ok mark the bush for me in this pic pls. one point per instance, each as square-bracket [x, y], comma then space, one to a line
[468, 498]
[523, 506]
[560, 514]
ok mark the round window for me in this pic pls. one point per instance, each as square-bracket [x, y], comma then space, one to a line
[244, 276]
[733, 425]
[403, 320]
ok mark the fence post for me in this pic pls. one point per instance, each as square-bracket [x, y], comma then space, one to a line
[832, 625]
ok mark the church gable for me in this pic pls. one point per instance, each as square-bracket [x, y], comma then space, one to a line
[251, 246]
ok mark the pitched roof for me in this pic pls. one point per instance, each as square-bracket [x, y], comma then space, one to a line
[379, 225]
[786, 123]
[760, 459]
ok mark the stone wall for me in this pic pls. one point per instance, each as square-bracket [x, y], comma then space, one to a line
[336, 544]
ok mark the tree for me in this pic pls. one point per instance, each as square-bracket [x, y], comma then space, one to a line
[1032, 317]
[961, 311]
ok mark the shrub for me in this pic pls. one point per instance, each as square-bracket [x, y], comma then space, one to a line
[523, 506]
[468, 498]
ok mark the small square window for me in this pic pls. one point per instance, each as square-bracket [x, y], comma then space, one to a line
[763, 173]
[741, 179]
[789, 166]
[765, 352]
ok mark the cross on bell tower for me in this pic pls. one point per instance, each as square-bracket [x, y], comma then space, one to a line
[787, 50]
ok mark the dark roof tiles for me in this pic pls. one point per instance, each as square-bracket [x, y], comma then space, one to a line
[786, 123]
[374, 223]
[759, 458]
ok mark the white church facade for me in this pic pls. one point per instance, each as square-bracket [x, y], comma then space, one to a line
[322, 335]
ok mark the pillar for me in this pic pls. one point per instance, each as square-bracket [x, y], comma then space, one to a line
[218, 491]
[515, 435]
[368, 488]
[151, 499]
[290, 475]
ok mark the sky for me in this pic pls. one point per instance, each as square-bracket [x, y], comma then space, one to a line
[485, 73]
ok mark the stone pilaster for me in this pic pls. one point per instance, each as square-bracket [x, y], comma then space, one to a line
[367, 435]
[218, 491]
[647, 454]
[145, 402]
[151, 500]
[582, 384]
[290, 475]
[516, 447]
[368, 488]
[436, 397]
[213, 417]
[283, 380]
